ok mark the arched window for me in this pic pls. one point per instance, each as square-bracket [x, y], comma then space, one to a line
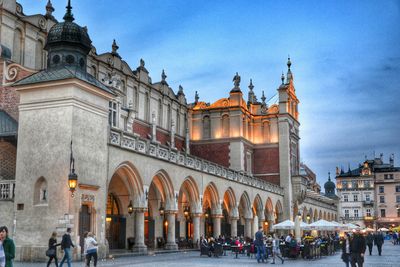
[17, 47]
[206, 127]
[178, 122]
[125, 97]
[135, 98]
[93, 71]
[160, 111]
[112, 206]
[39, 55]
[266, 130]
[147, 115]
[225, 126]
[169, 117]
[40, 195]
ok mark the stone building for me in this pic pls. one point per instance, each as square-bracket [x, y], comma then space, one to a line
[370, 194]
[152, 170]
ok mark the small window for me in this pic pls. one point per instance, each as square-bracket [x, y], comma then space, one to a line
[346, 214]
[112, 113]
[385, 176]
[356, 213]
[368, 212]
[397, 188]
[381, 199]
[398, 199]
[367, 197]
[381, 189]
[346, 198]
[355, 198]
[383, 213]
[40, 192]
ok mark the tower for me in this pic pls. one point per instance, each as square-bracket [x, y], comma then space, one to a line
[60, 104]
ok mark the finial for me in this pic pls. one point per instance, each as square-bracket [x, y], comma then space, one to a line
[251, 86]
[263, 98]
[329, 176]
[49, 8]
[142, 62]
[163, 76]
[114, 47]
[283, 78]
[289, 63]
[196, 97]
[180, 90]
[68, 17]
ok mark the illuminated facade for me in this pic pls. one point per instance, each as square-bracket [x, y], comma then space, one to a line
[151, 167]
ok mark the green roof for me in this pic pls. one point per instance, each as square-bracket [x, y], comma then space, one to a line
[8, 126]
[62, 73]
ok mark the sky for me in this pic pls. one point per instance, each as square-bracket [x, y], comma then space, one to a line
[345, 58]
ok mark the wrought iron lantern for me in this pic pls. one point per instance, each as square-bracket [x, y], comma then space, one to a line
[161, 209]
[72, 177]
[130, 208]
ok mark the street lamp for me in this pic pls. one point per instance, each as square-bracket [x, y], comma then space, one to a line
[186, 212]
[299, 215]
[308, 218]
[72, 177]
[130, 208]
[161, 209]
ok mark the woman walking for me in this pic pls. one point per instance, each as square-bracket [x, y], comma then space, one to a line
[276, 251]
[346, 249]
[52, 250]
[91, 249]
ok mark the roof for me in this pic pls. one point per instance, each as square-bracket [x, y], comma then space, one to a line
[8, 126]
[62, 73]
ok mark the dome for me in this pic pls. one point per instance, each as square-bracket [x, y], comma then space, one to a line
[329, 186]
[66, 33]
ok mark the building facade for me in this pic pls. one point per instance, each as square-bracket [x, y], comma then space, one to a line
[368, 195]
[151, 168]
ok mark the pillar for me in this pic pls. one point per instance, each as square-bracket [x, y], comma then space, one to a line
[171, 244]
[139, 231]
[270, 224]
[247, 228]
[217, 226]
[254, 228]
[234, 227]
[196, 229]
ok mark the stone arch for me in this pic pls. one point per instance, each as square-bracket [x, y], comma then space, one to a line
[320, 215]
[328, 217]
[230, 201]
[310, 212]
[258, 206]
[40, 195]
[304, 214]
[315, 215]
[131, 178]
[211, 197]
[269, 209]
[245, 205]
[162, 182]
[325, 217]
[190, 190]
[278, 212]
[225, 125]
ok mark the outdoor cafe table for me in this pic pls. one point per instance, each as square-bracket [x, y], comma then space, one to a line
[235, 249]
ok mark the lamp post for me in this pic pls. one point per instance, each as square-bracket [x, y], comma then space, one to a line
[308, 218]
[72, 177]
[161, 209]
[130, 208]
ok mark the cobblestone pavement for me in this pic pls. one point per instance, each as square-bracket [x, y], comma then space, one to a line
[390, 257]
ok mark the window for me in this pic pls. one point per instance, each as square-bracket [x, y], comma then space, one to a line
[355, 197]
[381, 189]
[346, 214]
[40, 193]
[344, 184]
[367, 184]
[225, 126]
[356, 213]
[398, 199]
[368, 212]
[112, 113]
[206, 127]
[397, 188]
[367, 197]
[160, 110]
[354, 184]
[383, 213]
[381, 199]
[388, 176]
[346, 198]
[385, 176]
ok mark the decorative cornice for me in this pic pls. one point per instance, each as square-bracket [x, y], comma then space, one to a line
[89, 187]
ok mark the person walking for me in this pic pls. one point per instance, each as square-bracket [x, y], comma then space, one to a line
[379, 240]
[2, 255]
[346, 249]
[52, 250]
[370, 242]
[357, 249]
[259, 244]
[91, 249]
[66, 244]
[8, 246]
[276, 251]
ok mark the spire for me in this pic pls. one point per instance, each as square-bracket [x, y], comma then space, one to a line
[329, 176]
[263, 98]
[68, 17]
[283, 78]
[289, 75]
[349, 170]
[251, 98]
[251, 86]
[49, 8]
[196, 97]
[163, 76]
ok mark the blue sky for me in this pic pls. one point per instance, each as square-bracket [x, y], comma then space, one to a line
[345, 59]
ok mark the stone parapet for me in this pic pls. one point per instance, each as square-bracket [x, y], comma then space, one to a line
[136, 144]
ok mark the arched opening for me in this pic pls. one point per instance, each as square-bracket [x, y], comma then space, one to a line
[206, 127]
[228, 212]
[278, 212]
[18, 46]
[259, 216]
[245, 216]
[225, 125]
[187, 205]
[39, 55]
[40, 195]
[210, 208]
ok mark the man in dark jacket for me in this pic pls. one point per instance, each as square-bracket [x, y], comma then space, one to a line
[259, 244]
[8, 246]
[378, 240]
[66, 244]
[370, 242]
[357, 249]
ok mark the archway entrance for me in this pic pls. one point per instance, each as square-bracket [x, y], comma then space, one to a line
[115, 224]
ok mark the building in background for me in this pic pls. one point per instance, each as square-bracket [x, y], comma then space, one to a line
[149, 166]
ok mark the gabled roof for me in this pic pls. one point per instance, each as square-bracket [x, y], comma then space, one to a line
[62, 73]
[8, 126]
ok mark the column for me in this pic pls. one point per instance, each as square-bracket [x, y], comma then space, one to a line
[217, 226]
[139, 231]
[196, 229]
[254, 228]
[234, 227]
[270, 224]
[171, 244]
[261, 224]
[247, 228]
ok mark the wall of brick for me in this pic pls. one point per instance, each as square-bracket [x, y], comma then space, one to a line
[218, 153]
[266, 160]
[141, 129]
[8, 157]
[271, 178]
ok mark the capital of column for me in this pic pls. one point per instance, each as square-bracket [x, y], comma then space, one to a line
[170, 212]
[196, 214]
[234, 218]
[217, 216]
[140, 209]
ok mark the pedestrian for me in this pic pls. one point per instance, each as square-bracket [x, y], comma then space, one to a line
[379, 240]
[8, 246]
[394, 236]
[2, 255]
[259, 243]
[90, 249]
[66, 244]
[346, 249]
[357, 249]
[370, 242]
[276, 251]
[52, 249]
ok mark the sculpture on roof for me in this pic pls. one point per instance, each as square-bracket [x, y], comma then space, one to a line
[236, 80]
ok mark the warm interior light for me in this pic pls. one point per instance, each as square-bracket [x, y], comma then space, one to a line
[108, 219]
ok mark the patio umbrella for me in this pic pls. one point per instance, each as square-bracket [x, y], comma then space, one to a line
[369, 229]
[383, 229]
[323, 225]
[285, 225]
[339, 226]
[351, 226]
[304, 226]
